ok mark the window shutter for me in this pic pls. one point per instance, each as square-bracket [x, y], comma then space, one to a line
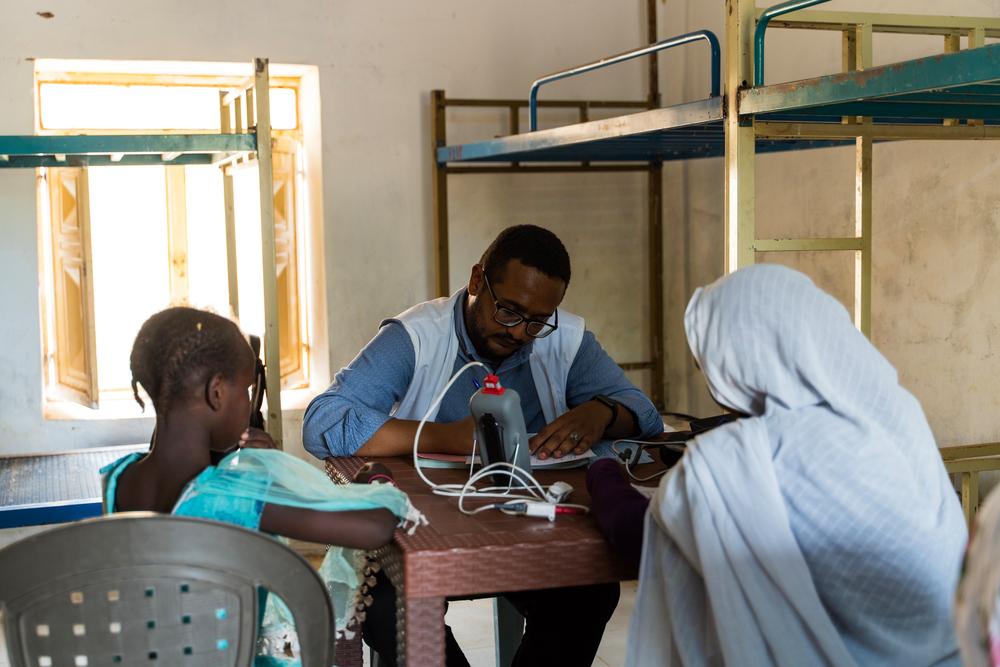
[285, 174]
[177, 236]
[75, 353]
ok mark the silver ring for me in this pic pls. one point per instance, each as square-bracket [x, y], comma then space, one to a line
[575, 437]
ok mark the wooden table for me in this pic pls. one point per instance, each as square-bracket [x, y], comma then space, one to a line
[458, 555]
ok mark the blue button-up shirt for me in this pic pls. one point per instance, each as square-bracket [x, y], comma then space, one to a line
[343, 418]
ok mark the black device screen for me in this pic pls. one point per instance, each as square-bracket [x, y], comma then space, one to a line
[493, 443]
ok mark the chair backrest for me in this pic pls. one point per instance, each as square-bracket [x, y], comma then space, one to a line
[157, 590]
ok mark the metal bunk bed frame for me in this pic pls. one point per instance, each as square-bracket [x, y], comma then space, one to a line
[863, 104]
[951, 96]
[245, 135]
[653, 167]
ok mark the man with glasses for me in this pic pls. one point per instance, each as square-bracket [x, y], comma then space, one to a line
[572, 394]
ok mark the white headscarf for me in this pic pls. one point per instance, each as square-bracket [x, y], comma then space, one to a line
[820, 530]
[977, 611]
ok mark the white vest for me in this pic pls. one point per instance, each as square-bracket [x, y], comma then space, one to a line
[431, 326]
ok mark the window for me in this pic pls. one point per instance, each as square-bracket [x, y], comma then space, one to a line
[119, 243]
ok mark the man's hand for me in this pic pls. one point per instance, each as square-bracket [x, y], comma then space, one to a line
[575, 431]
[255, 438]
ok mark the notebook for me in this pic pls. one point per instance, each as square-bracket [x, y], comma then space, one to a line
[463, 461]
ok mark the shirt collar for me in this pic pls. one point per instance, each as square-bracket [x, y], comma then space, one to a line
[468, 350]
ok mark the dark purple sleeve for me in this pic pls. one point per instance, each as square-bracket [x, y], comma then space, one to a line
[619, 509]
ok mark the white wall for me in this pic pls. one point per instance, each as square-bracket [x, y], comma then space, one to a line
[377, 63]
[935, 302]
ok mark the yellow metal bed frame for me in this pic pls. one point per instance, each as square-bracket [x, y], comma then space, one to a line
[742, 129]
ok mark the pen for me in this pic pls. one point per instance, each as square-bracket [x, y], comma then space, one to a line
[475, 383]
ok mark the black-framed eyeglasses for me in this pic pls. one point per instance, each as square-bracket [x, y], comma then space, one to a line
[504, 316]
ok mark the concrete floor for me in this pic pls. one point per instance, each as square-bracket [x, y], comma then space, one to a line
[472, 623]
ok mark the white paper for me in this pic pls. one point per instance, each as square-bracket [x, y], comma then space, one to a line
[562, 460]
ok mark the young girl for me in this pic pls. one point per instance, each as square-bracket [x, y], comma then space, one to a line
[977, 605]
[197, 369]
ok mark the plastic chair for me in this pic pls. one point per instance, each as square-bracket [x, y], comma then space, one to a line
[157, 590]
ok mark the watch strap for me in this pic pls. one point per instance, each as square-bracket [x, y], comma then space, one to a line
[609, 403]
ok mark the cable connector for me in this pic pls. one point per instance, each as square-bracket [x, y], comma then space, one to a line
[558, 492]
[544, 510]
[528, 508]
[539, 509]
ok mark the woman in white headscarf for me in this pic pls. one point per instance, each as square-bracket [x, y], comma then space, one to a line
[821, 529]
[977, 611]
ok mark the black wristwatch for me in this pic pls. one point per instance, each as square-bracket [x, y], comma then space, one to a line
[611, 405]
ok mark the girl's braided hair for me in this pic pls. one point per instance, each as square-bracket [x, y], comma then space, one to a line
[179, 348]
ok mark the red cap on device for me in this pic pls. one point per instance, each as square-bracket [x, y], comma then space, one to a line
[491, 385]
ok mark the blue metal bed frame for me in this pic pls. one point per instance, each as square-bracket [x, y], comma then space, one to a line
[669, 43]
[925, 91]
[18, 152]
[965, 84]
[679, 132]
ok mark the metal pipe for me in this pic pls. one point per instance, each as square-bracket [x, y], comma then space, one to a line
[671, 42]
[654, 66]
[758, 35]
[571, 104]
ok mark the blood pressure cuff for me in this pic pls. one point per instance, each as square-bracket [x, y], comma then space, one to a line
[675, 442]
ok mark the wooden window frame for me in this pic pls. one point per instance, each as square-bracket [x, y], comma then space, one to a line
[296, 353]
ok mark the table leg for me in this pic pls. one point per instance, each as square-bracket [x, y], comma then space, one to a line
[349, 652]
[419, 630]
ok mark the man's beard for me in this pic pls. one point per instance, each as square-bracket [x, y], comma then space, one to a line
[481, 342]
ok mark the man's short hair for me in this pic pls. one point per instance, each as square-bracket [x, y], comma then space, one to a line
[532, 246]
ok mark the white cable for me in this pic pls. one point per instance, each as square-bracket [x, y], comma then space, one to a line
[469, 489]
[502, 468]
[430, 410]
[628, 465]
